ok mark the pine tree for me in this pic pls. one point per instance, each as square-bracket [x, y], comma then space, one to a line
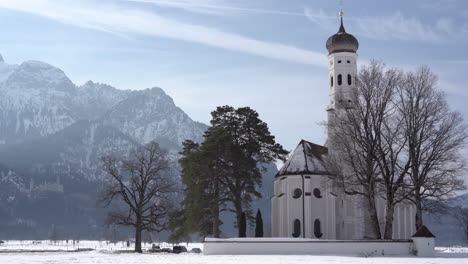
[225, 170]
[251, 148]
[259, 224]
[203, 168]
[243, 226]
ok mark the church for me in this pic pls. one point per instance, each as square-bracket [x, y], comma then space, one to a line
[305, 204]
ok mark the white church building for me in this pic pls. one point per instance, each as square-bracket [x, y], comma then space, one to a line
[305, 204]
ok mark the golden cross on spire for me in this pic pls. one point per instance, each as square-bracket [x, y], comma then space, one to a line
[341, 8]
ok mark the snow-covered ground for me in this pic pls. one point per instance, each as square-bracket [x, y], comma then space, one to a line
[19, 252]
[82, 245]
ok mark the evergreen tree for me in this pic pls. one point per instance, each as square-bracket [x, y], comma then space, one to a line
[251, 146]
[224, 170]
[203, 169]
[243, 226]
[259, 224]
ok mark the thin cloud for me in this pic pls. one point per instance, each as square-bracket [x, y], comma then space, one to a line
[120, 19]
[214, 7]
[395, 26]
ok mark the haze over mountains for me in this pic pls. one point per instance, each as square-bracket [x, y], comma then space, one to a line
[53, 133]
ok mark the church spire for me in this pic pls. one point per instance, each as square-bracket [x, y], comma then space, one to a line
[342, 29]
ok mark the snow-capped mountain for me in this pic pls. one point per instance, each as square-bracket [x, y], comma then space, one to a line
[53, 134]
[38, 99]
[151, 115]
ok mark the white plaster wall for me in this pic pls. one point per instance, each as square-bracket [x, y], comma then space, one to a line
[283, 216]
[295, 206]
[273, 246]
[344, 68]
[320, 208]
[403, 221]
[274, 216]
[285, 209]
[349, 217]
[403, 218]
[424, 246]
[308, 205]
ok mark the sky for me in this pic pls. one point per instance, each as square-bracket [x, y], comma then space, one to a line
[266, 54]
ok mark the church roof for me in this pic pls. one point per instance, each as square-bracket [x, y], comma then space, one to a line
[307, 158]
[423, 231]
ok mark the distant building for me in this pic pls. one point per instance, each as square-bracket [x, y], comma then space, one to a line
[305, 204]
[44, 187]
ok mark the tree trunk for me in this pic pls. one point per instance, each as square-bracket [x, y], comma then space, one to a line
[215, 212]
[388, 233]
[417, 200]
[375, 225]
[238, 206]
[215, 209]
[243, 226]
[138, 236]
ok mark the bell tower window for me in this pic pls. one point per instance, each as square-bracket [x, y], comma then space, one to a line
[340, 79]
[331, 81]
[350, 79]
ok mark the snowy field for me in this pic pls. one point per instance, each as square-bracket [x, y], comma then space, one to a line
[18, 252]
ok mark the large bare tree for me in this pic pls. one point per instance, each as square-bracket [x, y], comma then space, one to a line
[435, 136]
[142, 182]
[398, 140]
[356, 138]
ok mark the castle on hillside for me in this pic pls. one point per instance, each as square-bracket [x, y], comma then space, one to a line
[304, 203]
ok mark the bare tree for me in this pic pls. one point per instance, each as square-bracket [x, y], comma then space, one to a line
[461, 215]
[142, 182]
[435, 136]
[356, 137]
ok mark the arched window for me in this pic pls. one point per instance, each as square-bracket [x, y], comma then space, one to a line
[339, 61]
[331, 81]
[340, 79]
[297, 193]
[350, 81]
[317, 193]
[317, 229]
[297, 228]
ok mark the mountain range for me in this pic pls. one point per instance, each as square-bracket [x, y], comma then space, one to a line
[52, 136]
[53, 133]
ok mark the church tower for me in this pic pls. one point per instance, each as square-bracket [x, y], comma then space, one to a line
[342, 61]
[306, 204]
[342, 71]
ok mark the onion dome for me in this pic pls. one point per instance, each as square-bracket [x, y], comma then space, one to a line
[342, 41]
